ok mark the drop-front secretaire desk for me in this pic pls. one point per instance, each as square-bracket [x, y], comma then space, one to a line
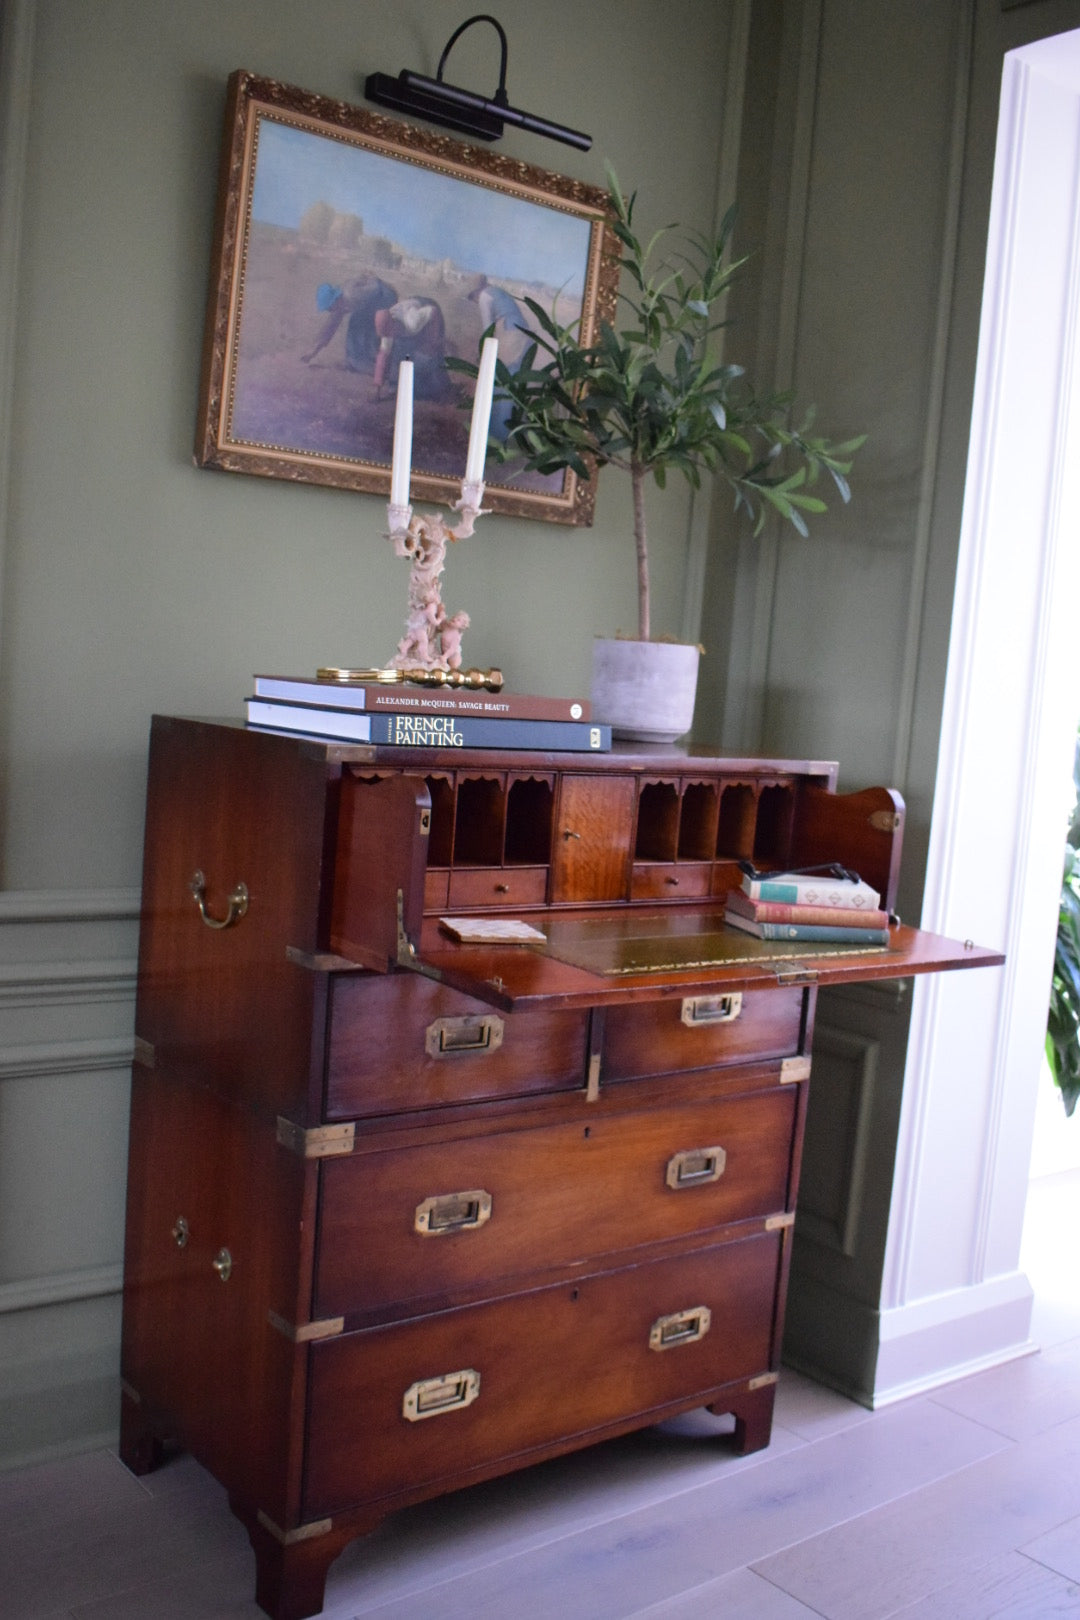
[406, 1213]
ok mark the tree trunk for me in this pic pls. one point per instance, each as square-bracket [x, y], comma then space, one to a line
[641, 541]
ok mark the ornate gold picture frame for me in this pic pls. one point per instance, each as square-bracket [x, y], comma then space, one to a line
[345, 242]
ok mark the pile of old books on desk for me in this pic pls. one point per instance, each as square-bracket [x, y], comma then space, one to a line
[813, 906]
[404, 715]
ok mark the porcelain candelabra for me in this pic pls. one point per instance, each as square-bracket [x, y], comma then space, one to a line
[432, 638]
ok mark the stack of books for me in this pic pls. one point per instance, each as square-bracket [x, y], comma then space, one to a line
[793, 905]
[406, 716]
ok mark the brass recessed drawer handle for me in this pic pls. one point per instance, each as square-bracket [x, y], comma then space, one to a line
[222, 1264]
[452, 1212]
[698, 1011]
[447, 1037]
[683, 1327]
[431, 1397]
[181, 1232]
[238, 903]
[695, 1167]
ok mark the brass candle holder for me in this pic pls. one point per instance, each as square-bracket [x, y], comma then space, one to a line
[471, 680]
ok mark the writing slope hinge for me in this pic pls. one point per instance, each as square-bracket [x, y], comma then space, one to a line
[406, 950]
[795, 973]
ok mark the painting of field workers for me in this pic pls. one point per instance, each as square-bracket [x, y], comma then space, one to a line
[355, 260]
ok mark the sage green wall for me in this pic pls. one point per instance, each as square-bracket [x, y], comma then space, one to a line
[135, 582]
[864, 179]
[132, 581]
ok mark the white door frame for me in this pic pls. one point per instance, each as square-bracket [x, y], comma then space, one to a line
[953, 1298]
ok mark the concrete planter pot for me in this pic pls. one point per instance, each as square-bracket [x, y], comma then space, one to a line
[645, 690]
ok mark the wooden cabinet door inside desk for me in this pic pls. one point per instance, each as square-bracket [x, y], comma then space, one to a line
[591, 853]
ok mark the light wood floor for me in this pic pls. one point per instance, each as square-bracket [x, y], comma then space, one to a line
[959, 1505]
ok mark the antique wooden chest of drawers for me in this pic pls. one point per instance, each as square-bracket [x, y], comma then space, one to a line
[406, 1213]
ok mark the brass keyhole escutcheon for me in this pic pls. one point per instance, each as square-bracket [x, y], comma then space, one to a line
[181, 1232]
[222, 1264]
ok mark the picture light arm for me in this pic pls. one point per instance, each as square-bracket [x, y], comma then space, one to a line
[452, 107]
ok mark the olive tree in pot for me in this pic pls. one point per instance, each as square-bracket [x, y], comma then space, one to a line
[650, 398]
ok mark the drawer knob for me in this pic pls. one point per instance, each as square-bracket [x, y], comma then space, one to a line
[697, 1011]
[181, 1232]
[683, 1327]
[453, 1212]
[238, 902]
[447, 1037]
[222, 1264]
[432, 1397]
[695, 1167]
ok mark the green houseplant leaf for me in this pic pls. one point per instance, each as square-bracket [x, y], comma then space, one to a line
[1063, 1014]
[649, 398]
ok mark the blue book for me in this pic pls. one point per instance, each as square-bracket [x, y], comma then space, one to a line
[429, 730]
[808, 931]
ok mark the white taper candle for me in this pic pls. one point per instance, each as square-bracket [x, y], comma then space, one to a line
[481, 413]
[402, 459]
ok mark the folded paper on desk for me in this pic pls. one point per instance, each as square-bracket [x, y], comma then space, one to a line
[491, 930]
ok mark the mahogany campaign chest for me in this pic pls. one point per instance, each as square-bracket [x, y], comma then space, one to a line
[407, 1212]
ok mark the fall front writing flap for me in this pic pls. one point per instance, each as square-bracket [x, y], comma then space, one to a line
[625, 954]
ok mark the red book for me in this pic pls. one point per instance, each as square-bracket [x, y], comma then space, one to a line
[403, 697]
[783, 911]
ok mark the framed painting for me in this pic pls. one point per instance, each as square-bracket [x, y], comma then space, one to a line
[345, 242]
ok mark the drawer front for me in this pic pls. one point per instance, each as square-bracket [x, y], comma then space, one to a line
[701, 1033]
[398, 1042]
[548, 1365]
[436, 889]
[499, 886]
[667, 881]
[400, 1227]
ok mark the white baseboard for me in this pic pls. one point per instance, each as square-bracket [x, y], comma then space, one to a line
[878, 1357]
[934, 1341]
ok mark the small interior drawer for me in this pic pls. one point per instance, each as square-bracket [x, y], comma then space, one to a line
[398, 1227]
[703, 1032]
[398, 1041]
[499, 886]
[670, 880]
[496, 1380]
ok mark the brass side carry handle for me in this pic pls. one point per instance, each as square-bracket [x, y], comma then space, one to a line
[238, 903]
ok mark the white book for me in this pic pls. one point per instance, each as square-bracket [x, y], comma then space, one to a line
[813, 889]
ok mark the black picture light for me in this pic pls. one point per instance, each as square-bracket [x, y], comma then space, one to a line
[482, 117]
